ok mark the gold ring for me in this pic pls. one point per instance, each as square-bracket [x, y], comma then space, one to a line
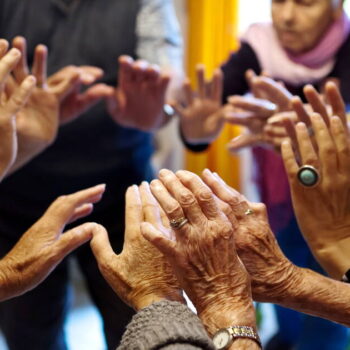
[178, 223]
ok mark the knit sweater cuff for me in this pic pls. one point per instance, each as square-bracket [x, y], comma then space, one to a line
[165, 323]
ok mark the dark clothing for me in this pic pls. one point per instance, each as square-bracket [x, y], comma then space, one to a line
[166, 325]
[297, 329]
[91, 150]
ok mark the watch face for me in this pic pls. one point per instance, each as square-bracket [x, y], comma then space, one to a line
[222, 339]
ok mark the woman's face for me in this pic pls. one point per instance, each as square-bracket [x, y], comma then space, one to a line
[300, 24]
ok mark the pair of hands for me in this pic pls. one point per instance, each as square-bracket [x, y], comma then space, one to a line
[205, 255]
[44, 246]
[322, 211]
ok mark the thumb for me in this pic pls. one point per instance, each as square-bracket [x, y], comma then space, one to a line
[242, 141]
[100, 245]
[156, 238]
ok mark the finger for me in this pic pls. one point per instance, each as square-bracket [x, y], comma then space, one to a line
[290, 129]
[22, 70]
[243, 141]
[336, 101]
[20, 96]
[188, 92]
[125, 71]
[315, 100]
[274, 131]
[7, 64]
[183, 196]
[326, 147]
[340, 138]
[276, 93]
[101, 247]
[289, 160]
[200, 73]
[262, 108]
[179, 110]
[226, 209]
[133, 213]
[39, 68]
[203, 194]
[62, 209]
[217, 85]
[306, 149]
[161, 242]
[163, 85]
[170, 206]
[4, 46]
[92, 74]
[74, 238]
[82, 211]
[300, 110]
[150, 207]
[227, 194]
[70, 83]
[247, 119]
[249, 76]
[139, 71]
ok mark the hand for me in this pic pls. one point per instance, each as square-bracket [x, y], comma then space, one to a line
[44, 245]
[270, 97]
[10, 104]
[201, 117]
[38, 121]
[139, 275]
[327, 223]
[138, 100]
[271, 272]
[203, 253]
[74, 102]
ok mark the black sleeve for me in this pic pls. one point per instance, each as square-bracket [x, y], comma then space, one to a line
[234, 71]
[166, 325]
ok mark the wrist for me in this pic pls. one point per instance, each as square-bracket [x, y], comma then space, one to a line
[141, 300]
[228, 313]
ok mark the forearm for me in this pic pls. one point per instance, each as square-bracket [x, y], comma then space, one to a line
[319, 296]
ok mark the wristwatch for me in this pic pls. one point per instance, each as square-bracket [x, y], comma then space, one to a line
[224, 337]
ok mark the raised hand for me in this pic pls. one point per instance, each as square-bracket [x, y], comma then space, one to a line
[140, 274]
[44, 245]
[253, 112]
[326, 201]
[202, 251]
[138, 100]
[10, 104]
[201, 117]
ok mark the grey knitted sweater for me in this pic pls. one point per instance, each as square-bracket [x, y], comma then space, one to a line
[166, 325]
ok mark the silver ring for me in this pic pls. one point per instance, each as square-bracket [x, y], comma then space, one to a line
[249, 212]
[308, 176]
[178, 223]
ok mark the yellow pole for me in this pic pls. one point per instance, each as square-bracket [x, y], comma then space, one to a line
[212, 35]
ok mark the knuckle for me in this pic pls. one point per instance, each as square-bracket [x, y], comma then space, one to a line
[174, 210]
[205, 195]
[186, 198]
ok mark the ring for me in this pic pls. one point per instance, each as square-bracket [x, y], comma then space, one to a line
[249, 212]
[178, 223]
[308, 176]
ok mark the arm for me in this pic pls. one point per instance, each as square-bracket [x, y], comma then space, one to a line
[173, 327]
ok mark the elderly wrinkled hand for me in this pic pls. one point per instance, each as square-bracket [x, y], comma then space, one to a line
[11, 102]
[200, 113]
[271, 272]
[320, 186]
[202, 251]
[138, 100]
[139, 274]
[44, 245]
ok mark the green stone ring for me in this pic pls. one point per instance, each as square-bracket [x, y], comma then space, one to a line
[308, 176]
